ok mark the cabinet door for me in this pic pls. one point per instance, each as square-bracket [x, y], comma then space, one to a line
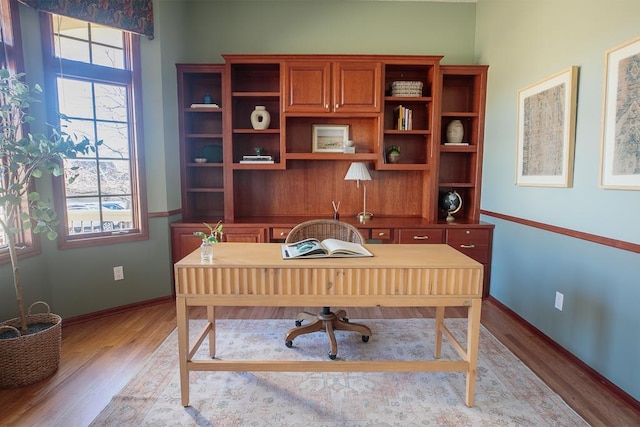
[357, 87]
[307, 86]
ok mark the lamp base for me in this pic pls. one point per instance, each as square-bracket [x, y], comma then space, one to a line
[364, 217]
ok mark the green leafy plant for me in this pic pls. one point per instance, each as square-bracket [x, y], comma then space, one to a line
[25, 157]
[214, 236]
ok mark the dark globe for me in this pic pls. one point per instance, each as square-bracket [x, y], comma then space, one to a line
[450, 202]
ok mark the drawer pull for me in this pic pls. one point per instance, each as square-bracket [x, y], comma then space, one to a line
[468, 246]
[420, 237]
[382, 233]
[282, 233]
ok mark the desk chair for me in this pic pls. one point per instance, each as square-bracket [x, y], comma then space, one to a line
[326, 320]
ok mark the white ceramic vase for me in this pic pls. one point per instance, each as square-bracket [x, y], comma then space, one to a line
[260, 118]
[455, 131]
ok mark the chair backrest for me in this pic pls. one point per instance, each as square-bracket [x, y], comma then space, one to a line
[324, 229]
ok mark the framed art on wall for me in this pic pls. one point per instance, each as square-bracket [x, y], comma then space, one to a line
[329, 138]
[546, 131]
[620, 150]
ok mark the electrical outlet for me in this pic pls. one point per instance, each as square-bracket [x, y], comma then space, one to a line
[118, 273]
[559, 300]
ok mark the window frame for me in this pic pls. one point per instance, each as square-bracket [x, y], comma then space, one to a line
[27, 242]
[55, 67]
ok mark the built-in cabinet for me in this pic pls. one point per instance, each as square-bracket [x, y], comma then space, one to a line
[263, 201]
[325, 86]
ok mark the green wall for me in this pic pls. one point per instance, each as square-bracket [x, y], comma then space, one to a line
[525, 41]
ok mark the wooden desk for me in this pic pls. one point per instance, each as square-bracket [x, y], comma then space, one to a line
[403, 275]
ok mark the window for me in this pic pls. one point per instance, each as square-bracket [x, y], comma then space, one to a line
[11, 59]
[93, 73]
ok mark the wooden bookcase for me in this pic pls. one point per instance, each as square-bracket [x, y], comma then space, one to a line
[261, 202]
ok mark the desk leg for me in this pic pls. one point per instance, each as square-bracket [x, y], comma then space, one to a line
[473, 338]
[211, 317]
[439, 323]
[183, 347]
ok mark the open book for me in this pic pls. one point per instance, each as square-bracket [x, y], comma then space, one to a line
[328, 248]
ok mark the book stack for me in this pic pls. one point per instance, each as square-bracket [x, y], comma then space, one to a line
[256, 160]
[205, 106]
[404, 118]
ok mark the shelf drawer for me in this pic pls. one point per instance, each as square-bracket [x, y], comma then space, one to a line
[472, 242]
[381, 233]
[421, 235]
[468, 236]
[280, 233]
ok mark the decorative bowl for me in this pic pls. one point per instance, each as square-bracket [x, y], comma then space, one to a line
[200, 160]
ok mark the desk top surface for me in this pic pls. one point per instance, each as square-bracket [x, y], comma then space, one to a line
[268, 255]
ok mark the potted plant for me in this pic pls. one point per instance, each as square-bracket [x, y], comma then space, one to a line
[30, 343]
[208, 240]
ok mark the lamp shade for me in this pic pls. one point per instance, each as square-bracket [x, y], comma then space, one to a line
[357, 172]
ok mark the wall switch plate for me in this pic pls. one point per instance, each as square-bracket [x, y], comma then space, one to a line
[118, 273]
[559, 300]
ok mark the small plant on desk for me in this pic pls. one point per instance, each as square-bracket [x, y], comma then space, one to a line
[214, 236]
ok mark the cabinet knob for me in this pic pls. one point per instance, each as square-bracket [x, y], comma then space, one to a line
[326, 106]
[336, 107]
[282, 233]
[420, 237]
[381, 233]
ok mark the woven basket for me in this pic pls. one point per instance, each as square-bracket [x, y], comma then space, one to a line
[27, 359]
[408, 89]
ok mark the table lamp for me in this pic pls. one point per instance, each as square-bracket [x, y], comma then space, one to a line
[358, 172]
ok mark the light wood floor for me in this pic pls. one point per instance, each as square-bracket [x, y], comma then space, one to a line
[100, 356]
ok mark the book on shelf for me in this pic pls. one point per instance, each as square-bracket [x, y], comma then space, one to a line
[205, 106]
[257, 160]
[327, 248]
[404, 118]
[261, 157]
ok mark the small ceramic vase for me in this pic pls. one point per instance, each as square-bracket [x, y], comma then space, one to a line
[455, 132]
[260, 118]
[393, 156]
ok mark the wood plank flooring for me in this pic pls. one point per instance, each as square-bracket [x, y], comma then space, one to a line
[100, 356]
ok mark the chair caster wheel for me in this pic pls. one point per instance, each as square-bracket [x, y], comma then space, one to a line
[365, 338]
[332, 356]
[298, 322]
[289, 344]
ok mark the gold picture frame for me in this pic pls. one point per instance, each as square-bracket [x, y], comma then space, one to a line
[546, 131]
[329, 138]
[619, 154]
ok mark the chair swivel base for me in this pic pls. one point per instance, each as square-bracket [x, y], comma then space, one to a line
[328, 322]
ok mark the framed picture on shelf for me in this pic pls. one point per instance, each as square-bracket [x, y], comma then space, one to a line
[329, 138]
[546, 131]
[620, 152]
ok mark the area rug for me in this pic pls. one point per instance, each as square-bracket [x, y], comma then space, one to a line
[507, 392]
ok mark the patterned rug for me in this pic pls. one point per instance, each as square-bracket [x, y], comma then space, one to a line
[507, 392]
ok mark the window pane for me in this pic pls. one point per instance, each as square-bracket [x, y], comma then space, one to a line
[115, 177]
[70, 27]
[71, 49]
[107, 35]
[107, 56]
[75, 98]
[115, 140]
[86, 183]
[111, 102]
